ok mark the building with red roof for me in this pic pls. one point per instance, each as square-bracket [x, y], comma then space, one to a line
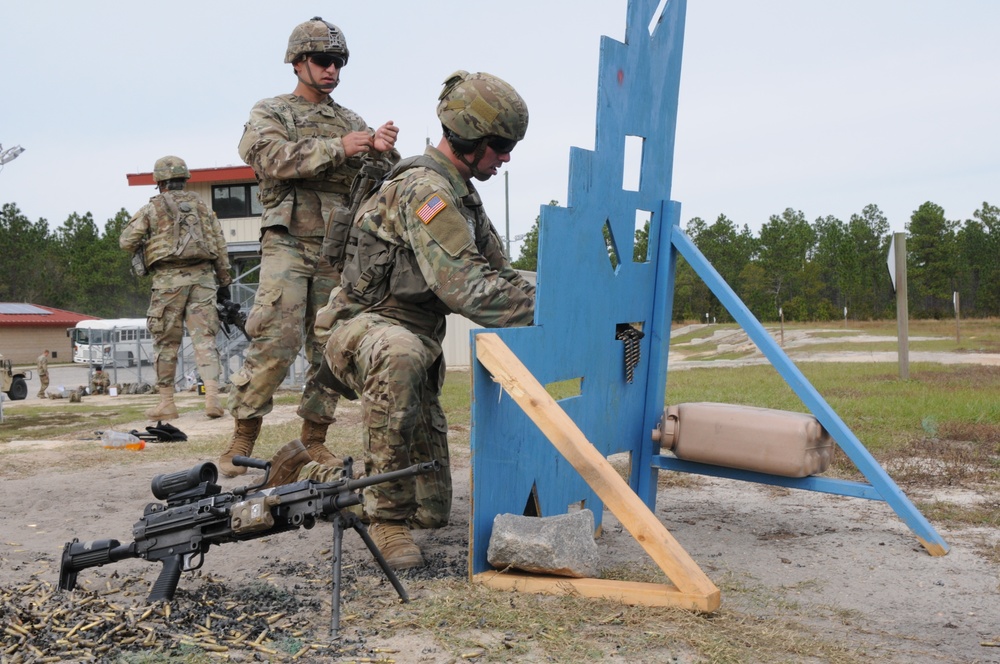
[28, 329]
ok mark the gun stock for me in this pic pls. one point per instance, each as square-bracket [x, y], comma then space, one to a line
[79, 555]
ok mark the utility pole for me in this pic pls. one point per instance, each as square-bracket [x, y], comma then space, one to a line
[506, 205]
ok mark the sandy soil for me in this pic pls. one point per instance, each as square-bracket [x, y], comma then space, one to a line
[850, 568]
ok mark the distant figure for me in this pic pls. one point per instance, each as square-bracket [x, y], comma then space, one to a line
[99, 381]
[43, 373]
[186, 253]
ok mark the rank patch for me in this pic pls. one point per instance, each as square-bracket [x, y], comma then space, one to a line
[430, 208]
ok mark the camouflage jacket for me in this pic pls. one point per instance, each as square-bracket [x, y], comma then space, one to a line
[296, 152]
[447, 257]
[154, 227]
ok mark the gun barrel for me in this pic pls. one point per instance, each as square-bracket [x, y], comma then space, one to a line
[415, 469]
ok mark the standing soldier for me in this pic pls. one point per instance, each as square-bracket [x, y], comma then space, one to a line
[186, 253]
[422, 247]
[305, 150]
[43, 373]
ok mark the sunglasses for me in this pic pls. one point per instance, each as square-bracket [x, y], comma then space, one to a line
[500, 145]
[324, 60]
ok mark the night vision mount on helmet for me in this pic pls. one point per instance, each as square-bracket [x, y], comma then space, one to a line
[316, 36]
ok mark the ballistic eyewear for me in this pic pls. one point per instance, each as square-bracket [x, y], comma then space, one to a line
[500, 145]
[324, 60]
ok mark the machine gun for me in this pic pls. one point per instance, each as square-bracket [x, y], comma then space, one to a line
[197, 515]
[230, 314]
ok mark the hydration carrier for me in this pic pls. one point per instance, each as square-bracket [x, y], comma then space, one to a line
[189, 242]
[178, 231]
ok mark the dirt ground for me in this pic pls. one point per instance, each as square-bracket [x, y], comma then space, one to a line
[850, 569]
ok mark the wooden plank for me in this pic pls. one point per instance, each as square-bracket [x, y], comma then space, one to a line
[627, 592]
[631, 511]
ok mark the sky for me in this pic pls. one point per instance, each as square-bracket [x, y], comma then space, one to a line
[822, 107]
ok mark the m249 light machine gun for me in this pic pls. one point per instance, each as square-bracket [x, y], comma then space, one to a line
[197, 515]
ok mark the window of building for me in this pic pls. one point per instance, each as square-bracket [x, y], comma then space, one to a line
[235, 200]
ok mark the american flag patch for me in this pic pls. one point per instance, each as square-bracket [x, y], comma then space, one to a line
[430, 209]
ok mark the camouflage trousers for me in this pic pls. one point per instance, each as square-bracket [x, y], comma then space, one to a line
[398, 375]
[295, 282]
[43, 380]
[169, 310]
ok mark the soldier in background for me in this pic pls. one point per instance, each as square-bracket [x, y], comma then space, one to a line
[99, 381]
[386, 322]
[186, 253]
[305, 150]
[42, 365]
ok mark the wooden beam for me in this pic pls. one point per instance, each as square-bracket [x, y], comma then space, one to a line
[627, 592]
[562, 432]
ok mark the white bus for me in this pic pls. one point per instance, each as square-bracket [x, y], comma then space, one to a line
[122, 342]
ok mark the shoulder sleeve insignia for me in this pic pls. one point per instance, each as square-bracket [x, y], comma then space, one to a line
[430, 208]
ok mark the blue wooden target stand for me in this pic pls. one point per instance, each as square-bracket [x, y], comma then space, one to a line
[537, 456]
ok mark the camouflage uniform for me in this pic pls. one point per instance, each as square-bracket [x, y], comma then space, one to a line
[385, 343]
[184, 289]
[295, 148]
[99, 382]
[43, 374]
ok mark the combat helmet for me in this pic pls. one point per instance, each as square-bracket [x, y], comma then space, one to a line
[170, 168]
[316, 36]
[478, 105]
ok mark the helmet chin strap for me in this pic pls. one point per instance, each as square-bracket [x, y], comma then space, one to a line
[326, 89]
[473, 164]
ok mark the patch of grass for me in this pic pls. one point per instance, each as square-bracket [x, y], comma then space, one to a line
[884, 412]
[47, 422]
[511, 626]
[982, 514]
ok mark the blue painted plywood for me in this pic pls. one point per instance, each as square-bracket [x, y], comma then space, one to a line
[582, 298]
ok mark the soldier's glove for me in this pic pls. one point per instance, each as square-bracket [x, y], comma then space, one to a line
[223, 295]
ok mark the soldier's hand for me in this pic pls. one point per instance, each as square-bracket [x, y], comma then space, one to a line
[357, 142]
[385, 137]
[222, 294]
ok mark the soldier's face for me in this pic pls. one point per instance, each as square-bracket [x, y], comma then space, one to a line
[489, 164]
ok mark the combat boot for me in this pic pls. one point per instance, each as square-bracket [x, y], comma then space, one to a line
[394, 540]
[287, 463]
[241, 444]
[313, 436]
[212, 406]
[166, 409]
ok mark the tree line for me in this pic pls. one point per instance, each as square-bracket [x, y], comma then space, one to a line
[814, 271]
[807, 271]
[76, 266]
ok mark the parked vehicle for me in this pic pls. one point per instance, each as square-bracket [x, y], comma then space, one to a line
[13, 384]
[119, 342]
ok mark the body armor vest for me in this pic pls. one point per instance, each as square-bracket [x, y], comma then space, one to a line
[312, 123]
[179, 230]
[375, 269]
